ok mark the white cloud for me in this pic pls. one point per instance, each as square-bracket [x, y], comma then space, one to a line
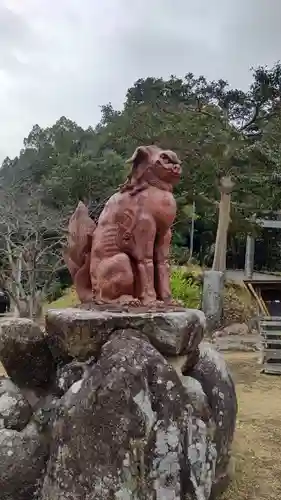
[67, 57]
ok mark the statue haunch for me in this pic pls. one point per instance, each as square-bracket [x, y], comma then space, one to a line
[124, 257]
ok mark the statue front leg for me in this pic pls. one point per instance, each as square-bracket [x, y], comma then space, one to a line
[146, 275]
[162, 267]
[144, 236]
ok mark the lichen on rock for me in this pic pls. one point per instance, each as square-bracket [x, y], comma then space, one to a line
[124, 432]
[124, 424]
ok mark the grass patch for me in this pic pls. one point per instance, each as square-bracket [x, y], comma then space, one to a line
[69, 299]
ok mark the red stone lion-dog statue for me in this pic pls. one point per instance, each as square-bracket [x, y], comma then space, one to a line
[124, 258]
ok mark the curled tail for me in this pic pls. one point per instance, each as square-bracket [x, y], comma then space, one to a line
[77, 254]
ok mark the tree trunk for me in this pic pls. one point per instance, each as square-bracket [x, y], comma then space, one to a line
[226, 187]
[192, 232]
[30, 307]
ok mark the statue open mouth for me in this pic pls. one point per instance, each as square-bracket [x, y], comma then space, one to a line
[176, 170]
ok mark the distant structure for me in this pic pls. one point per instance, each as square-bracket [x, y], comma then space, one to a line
[250, 245]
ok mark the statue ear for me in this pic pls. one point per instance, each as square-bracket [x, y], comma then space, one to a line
[140, 154]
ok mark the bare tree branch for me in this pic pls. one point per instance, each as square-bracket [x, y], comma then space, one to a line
[31, 240]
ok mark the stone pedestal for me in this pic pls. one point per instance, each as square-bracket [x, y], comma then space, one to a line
[79, 333]
[130, 388]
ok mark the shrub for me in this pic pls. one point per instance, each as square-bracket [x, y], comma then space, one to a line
[185, 289]
[179, 255]
[55, 291]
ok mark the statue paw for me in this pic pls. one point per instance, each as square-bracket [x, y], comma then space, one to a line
[149, 301]
[172, 302]
[127, 300]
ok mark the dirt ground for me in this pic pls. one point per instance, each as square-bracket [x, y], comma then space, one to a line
[258, 435]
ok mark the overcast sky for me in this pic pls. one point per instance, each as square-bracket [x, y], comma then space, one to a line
[67, 57]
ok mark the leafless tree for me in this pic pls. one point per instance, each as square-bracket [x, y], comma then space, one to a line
[31, 239]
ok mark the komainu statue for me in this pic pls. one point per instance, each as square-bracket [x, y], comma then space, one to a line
[123, 259]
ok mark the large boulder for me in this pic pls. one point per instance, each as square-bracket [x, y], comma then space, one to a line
[70, 373]
[128, 429]
[80, 333]
[23, 457]
[213, 375]
[25, 354]
[211, 389]
[123, 423]
[15, 411]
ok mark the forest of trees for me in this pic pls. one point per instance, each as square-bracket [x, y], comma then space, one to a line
[216, 130]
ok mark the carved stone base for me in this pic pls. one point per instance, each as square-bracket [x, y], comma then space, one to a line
[80, 333]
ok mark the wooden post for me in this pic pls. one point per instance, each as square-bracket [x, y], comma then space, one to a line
[249, 256]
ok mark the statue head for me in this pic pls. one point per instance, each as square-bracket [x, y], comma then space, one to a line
[151, 163]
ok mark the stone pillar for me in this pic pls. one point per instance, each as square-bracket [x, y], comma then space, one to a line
[212, 299]
[249, 256]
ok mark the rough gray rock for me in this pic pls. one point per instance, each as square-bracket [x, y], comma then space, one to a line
[25, 354]
[193, 388]
[199, 399]
[129, 425]
[68, 374]
[128, 431]
[15, 411]
[212, 374]
[80, 333]
[45, 413]
[236, 329]
[211, 390]
[23, 457]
